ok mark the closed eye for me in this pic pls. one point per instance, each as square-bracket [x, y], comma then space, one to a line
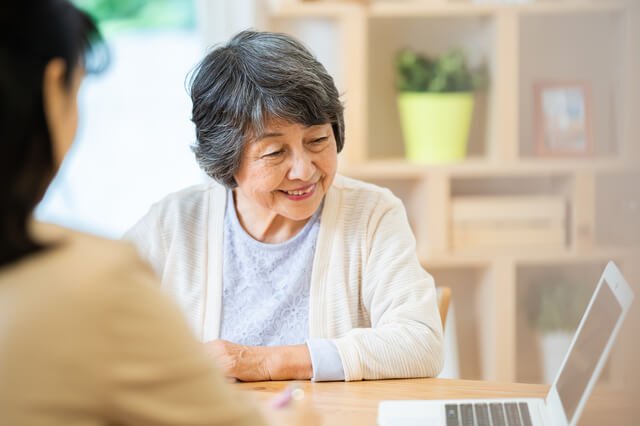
[273, 154]
[322, 139]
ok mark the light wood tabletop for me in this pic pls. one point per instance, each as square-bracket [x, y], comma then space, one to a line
[356, 403]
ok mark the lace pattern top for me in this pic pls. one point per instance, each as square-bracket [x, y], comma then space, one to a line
[265, 296]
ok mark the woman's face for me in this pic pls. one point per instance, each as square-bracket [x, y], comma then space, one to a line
[289, 169]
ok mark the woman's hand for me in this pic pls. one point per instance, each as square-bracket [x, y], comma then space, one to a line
[246, 363]
[258, 363]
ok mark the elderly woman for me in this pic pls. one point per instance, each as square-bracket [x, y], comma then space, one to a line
[285, 269]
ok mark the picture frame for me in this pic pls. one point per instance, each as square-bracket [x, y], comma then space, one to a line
[563, 119]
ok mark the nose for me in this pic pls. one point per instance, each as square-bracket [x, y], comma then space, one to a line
[302, 167]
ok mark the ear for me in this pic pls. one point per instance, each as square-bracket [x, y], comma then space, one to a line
[55, 99]
[53, 88]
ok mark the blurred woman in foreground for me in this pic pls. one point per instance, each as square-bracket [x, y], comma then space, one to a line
[76, 345]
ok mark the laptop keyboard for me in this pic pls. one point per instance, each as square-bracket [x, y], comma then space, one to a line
[488, 414]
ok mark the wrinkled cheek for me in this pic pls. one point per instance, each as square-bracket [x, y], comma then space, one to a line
[327, 181]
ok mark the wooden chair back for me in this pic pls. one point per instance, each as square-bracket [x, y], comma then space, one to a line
[444, 298]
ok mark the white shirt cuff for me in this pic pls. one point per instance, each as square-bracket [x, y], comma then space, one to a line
[325, 360]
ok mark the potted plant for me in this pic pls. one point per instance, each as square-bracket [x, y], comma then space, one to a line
[435, 102]
[555, 310]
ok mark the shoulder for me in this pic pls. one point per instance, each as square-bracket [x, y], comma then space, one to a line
[188, 200]
[358, 196]
[92, 262]
[59, 306]
[77, 281]
[185, 209]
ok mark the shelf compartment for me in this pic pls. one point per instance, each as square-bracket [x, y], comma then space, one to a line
[576, 283]
[431, 36]
[502, 222]
[575, 49]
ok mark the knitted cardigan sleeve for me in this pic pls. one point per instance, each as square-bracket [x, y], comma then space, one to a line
[405, 338]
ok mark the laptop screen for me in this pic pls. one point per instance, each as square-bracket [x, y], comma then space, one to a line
[592, 340]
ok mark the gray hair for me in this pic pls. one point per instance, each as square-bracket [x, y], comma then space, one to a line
[255, 77]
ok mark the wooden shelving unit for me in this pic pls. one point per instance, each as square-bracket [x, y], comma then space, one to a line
[366, 36]
[529, 257]
[479, 167]
[419, 9]
[412, 9]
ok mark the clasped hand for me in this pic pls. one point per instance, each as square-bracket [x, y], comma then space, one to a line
[246, 363]
[260, 363]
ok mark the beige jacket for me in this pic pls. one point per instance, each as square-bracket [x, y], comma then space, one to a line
[86, 338]
[368, 291]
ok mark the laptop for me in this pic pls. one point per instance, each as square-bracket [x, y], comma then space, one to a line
[570, 390]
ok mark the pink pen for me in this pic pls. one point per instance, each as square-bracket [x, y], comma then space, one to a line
[283, 398]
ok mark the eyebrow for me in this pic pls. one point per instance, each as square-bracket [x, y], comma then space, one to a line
[277, 134]
[270, 135]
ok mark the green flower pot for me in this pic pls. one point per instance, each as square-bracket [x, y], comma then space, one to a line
[435, 125]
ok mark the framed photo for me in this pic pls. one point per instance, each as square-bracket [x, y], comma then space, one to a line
[563, 119]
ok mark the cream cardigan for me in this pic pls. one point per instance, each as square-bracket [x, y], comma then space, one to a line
[368, 291]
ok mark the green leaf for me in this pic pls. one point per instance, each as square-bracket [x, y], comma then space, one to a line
[447, 73]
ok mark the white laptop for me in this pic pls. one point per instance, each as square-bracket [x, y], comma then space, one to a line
[571, 388]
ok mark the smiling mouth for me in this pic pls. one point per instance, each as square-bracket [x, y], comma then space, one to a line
[302, 191]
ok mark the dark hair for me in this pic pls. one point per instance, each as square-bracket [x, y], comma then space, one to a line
[32, 33]
[239, 86]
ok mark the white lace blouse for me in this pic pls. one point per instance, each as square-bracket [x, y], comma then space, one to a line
[265, 292]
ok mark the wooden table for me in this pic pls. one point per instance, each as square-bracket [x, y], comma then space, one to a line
[356, 403]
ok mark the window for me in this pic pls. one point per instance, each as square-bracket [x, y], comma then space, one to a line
[134, 134]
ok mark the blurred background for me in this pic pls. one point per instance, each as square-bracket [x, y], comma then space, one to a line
[134, 132]
[508, 128]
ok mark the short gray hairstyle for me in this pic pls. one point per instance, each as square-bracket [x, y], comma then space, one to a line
[257, 76]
